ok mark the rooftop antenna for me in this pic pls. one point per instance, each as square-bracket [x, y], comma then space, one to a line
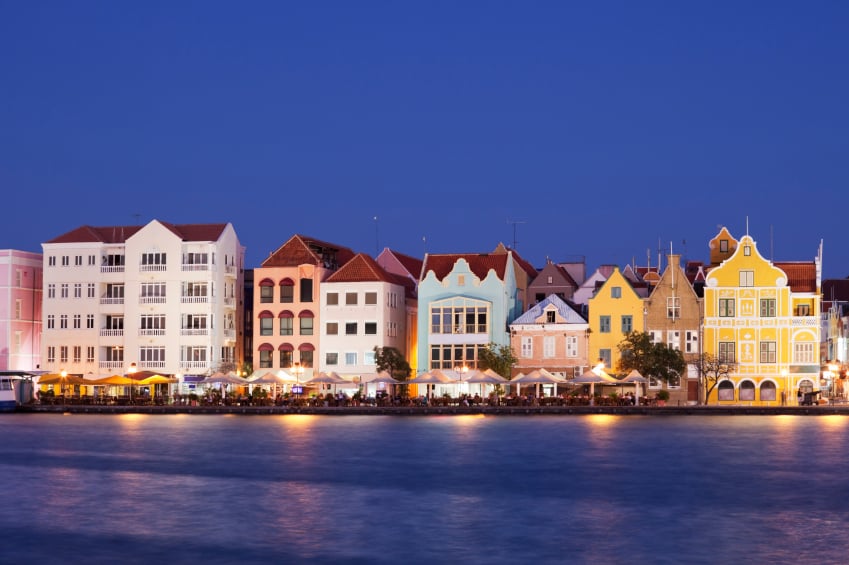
[424, 244]
[747, 225]
[376, 238]
[770, 243]
[514, 222]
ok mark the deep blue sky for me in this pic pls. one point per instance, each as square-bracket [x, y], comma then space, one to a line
[603, 126]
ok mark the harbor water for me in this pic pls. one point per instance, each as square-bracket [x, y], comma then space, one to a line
[600, 488]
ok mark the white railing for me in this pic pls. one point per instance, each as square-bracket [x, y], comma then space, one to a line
[112, 300]
[152, 365]
[194, 267]
[230, 269]
[194, 331]
[110, 364]
[111, 333]
[230, 334]
[112, 268]
[151, 332]
[805, 321]
[194, 299]
[194, 365]
[151, 300]
[152, 267]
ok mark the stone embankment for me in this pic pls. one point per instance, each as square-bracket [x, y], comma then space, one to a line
[448, 410]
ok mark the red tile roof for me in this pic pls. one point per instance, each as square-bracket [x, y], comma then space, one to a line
[479, 263]
[412, 264]
[363, 268]
[302, 250]
[120, 234]
[801, 275]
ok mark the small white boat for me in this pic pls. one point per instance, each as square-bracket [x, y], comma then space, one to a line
[15, 388]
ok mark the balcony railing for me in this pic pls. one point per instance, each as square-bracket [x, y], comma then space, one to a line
[110, 364]
[151, 300]
[194, 365]
[112, 268]
[152, 267]
[230, 334]
[194, 331]
[805, 321]
[111, 333]
[152, 364]
[229, 269]
[195, 266]
[194, 299]
[152, 332]
[109, 300]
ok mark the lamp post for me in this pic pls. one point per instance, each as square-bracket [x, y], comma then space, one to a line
[131, 370]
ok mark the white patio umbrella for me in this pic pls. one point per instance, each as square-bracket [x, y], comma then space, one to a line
[429, 378]
[537, 377]
[635, 377]
[382, 377]
[489, 377]
[271, 377]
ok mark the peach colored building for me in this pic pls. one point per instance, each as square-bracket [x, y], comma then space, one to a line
[20, 310]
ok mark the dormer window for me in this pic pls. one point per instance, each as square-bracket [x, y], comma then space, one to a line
[549, 317]
[616, 292]
[723, 246]
[747, 250]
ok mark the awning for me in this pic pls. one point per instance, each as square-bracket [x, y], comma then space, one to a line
[285, 314]
[306, 347]
[266, 282]
[265, 314]
[306, 314]
[287, 282]
[266, 347]
[286, 347]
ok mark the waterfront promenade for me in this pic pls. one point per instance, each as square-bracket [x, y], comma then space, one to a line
[444, 410]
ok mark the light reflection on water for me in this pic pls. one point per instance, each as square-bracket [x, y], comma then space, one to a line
[381, 489]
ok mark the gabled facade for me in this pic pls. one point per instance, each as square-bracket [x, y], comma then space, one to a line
[163, 297]
[590, 286]
[765, 318]
[614, 311]
[20, 310]
[287, 290]
[552, 335]
[466, 301]
[362, 307]
[411, 268]
[673, 317]
[552, 279]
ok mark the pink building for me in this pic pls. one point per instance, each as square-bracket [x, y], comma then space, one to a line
[20, 310]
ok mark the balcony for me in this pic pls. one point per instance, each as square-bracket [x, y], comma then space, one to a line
[152, 365]
[194, 365]
[194, 331]
[230, 302]
[148, 332]
[194, 267]
[230, 270]
[149, 268]
[110, 300]
[111, 333]
[194, 299]
[805, 321]
[151, 300]
[230, 335]
[112, 268]
[111, 365]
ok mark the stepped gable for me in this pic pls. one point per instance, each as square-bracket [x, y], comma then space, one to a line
[801, 275]
[304, 250]
[479, 263]
[120, 234]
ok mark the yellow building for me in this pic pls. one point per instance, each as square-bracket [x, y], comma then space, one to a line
[615, 310]
[762, 317]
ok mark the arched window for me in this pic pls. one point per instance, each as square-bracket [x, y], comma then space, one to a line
[725, 390]
[305, 319]
[747, 390]
[266, 290]
[767, 390]
[266, 323]
[287, 291]
[286, 325]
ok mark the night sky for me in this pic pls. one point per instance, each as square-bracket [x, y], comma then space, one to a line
[602, 129]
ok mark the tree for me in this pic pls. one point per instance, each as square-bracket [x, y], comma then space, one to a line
[392, 361]
[711, 372]
[499, 358]
[653, 360]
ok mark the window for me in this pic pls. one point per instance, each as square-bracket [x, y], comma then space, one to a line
[371, 298]
[306, 290]
[78, 321]
[605, 356]
[152, 324]
[332, 298]
[451, 356]
[332, 328]
[306, 359]
[673, 307]
[51, 290]
[266, 326]
[550, 279]
[350, 358]
[571, 346]
[803, 353]
[16, 345]
[691, 339]
[78, 290]
[803, 310]
[767, 307]
[266, 294]
[604, 324]
[64, 290]
[78, 260]
[350, 298]
[768, 349]
[726, 307]
[459, 315]
[723, 246]
[391, 329]
[616, 292]
[747, 250]
[63, 354]
[115, 291]
[89, 321]
[114, 323]
[51, 322]
[19, 306]
[370, 328]
[63, 322]
[287, 326]
[65, 263]
[152, 261]
[286, 359]
[393, 300]
[287, 292]
[197, 290]
[548, 346]
[153, 293]
[747, 390]
[51, 261]
[725, 391]
[78, 350]
[767, 390]
[461, 280]
[331, 358]
[265, 359]
[747, 278]
[527, 346]
[673, 339]
[368, 358]
[152, 355]
[51, 354]
[90, 290]
[550, 317]
[727, 352]
[306, 326]
[91, 260]
[627, 324]
[351, 328]
[89, 353]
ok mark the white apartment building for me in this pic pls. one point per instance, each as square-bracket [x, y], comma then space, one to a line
[362, 307]
[164, 297]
